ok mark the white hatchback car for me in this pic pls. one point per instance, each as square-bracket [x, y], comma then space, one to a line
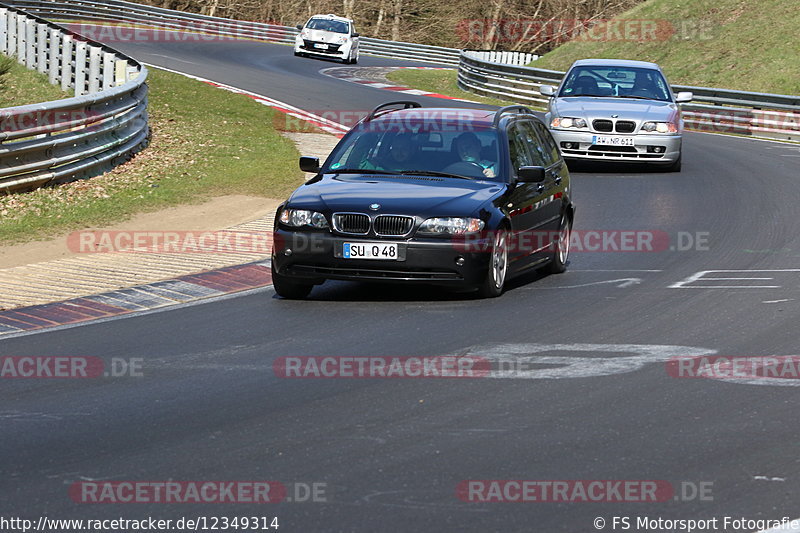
[328, 36]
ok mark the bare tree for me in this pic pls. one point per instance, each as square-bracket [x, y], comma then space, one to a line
[526, 25]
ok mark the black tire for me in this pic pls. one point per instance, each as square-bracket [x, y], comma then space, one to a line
[558, 262]
[291, 290]
[495, 280]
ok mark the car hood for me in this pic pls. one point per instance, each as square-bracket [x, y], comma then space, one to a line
[589, 107]
[401, 195]
[323, 36]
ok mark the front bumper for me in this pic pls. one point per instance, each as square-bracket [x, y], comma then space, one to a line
[331, 50]
[311, 257]
[643, 150]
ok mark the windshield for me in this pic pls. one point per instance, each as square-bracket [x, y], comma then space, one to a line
[620, 82]
[335, 26]
[420, 147]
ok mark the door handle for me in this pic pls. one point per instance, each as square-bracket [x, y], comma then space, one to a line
[557, 179]
[540, 187]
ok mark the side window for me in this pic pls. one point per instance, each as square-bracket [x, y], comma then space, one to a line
[549, 147]
[518, 148]
[534, 145]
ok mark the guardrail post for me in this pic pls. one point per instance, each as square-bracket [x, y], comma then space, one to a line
[11, 25]
[3, 30]
[54, 53]
[30, 43]
[108, 70]
[120, 72]
[21, 39]
[41, 48]
[66, 62]
[94, 68]
[80, 68]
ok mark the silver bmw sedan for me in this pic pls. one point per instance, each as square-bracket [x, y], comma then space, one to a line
[617, 110]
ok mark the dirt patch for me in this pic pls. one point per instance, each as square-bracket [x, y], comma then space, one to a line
[218, 213]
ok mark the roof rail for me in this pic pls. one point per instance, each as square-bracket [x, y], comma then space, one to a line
[508, 109]
[407, 104]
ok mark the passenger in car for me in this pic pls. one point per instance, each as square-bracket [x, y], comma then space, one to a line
[468, 147]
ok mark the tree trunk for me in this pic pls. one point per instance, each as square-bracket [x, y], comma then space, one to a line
[398, 16]
[212, 9]
[349, 8]
[491, 36]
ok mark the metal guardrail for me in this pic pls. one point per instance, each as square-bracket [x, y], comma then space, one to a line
[59, 141]
[774, 116]
[504, 57]
[102, 12]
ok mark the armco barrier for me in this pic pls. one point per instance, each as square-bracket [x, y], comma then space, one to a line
[101, 127]
[774, 116]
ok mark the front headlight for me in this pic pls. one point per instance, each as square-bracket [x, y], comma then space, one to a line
[341, 40]
[303, 217]
[567, 122]
[660, 127]
[451, 225]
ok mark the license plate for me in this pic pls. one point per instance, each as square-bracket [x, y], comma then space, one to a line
[319, 45]
[370, 250]
[612, 140]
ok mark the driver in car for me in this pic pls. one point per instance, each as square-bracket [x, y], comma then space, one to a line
[469, 150]
[644, 86]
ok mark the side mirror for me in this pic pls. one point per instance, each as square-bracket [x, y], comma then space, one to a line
[530, 174]
[547, 90]
[299, 26]
[683, 97]
[356, 34]
[309, 164]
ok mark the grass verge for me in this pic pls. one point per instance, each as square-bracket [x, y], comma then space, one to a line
[439, 81]
[205, 143]
[748, 45]
[21, 86]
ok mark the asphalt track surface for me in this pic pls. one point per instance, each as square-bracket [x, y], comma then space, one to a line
[392, 452]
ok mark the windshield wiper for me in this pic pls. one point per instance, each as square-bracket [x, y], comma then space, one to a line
[359, 171]
[636, 97]
[396, 172]
[433, 173]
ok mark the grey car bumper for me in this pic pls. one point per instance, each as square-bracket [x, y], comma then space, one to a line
[664, 149]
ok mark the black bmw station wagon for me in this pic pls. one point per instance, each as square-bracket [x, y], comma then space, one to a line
[444, 196]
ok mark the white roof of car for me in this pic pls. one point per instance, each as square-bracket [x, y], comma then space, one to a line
[615, 63]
